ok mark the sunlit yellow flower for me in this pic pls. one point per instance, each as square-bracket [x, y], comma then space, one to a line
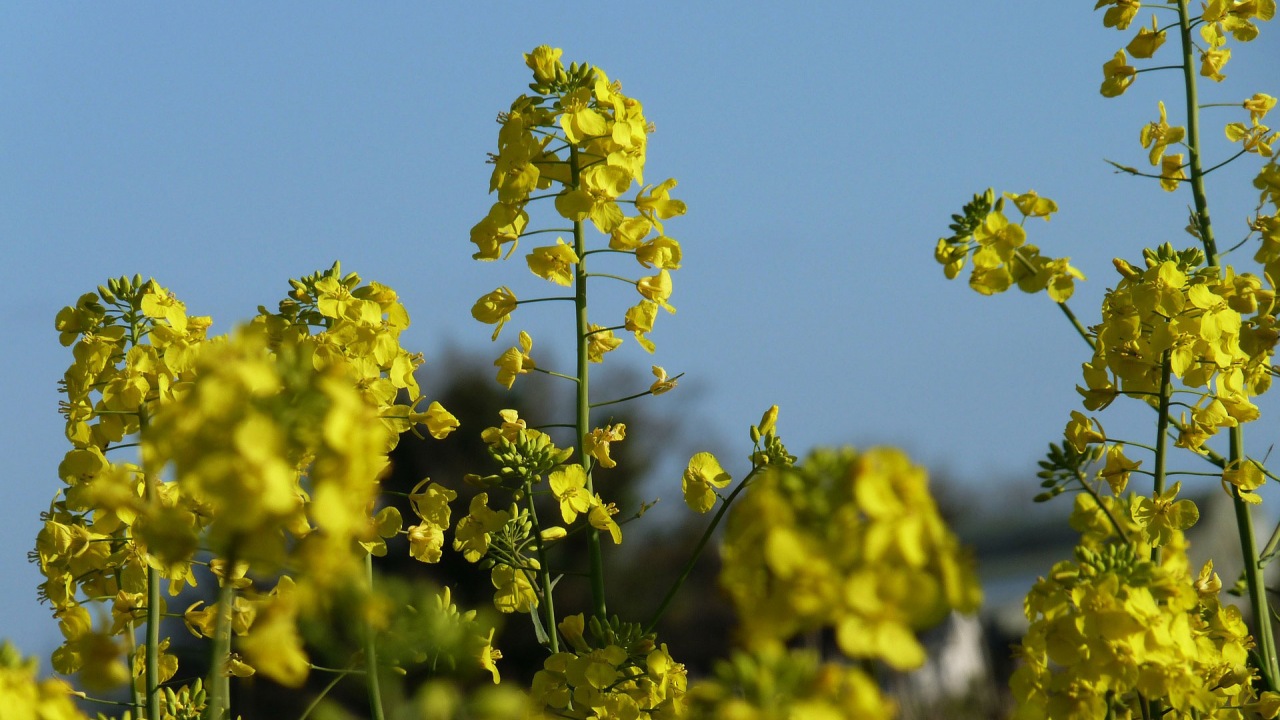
[515, 361]
[1258, 105]
[596, 443]
[1120, 14]
[1158, 135]
[661, 252]
[1162, 515]
[1117, 469]
[1117, 74]
[600, 340]
[1171, 171]
[569, 485]
[1147, 41]
[657, 288]
[701, 477]
[663, 383]
[494, 308]
[601, 518]
[554, 262]
[1212, 62]
[545, 63]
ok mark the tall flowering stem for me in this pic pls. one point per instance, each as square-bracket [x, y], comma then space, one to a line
[1179, 315]
[583, 400]
[1259, 605]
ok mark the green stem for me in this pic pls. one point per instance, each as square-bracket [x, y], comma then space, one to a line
[151, 672]
[1258, 604]
[325, 691]
[632, 397]
[1162, 422]
[219, 703]
[1205, 228]
[1162, 434]
[371, 652]
[1270, 666]
[544, 573]
[584, 395]
[697, 550]
[1075, 322]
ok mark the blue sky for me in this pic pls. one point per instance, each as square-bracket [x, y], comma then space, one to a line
[225, 150]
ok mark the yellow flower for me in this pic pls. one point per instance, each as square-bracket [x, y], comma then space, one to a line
[1159, 135]
[700, 477]
[1171, 172]
[1246, 477]
[600, 340]
[545, 63]
[630, 233]
[662, 384]
[597, 197]
[661, 252]
[471, 536]
[657, 288]
[426, 543]
[1161, 516]
[580, 121]
[515, 592]
[440, 422]
[1258, 106]
[1117, 469]
[1147, 41]
[494, 308]
[569, 485]
[1117, 75]
[601, 518]
[515, 361]
[596, 443]
[1212, 62]
[639, 320]
[488, 656]
[1121, 15]
[502, 225]
[655, 203]
[1031, 204]
[1080, 432]
[554, 262]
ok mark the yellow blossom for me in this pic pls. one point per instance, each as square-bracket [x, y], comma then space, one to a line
[1117, 74]
[554, 262]
[515, 361]
[1212, 62]
[701, 477]
[600, 340]
[569, 485]
[663, 383]
[495, 308]
[1147, 41]
[545, 63]
[596, 443]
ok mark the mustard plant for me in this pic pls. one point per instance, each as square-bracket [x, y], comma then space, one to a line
[1127, 628]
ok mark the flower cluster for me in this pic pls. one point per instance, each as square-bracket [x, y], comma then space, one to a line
[1178, 315]
[1112, 630]
[1219, 20]
[26, 698]
[621, 676]
[581, 138]
[274, 438]
[1001, 256]
[850, 541]
[774, 684]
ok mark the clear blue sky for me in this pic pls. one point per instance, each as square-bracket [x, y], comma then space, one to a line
[821, 153]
